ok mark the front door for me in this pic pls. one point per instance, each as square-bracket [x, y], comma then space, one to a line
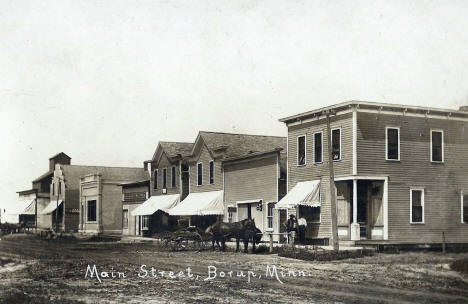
[362, 208]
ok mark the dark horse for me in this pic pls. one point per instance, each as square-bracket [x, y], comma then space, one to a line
[245, 230]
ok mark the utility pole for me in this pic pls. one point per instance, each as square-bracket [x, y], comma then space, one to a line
[332, 185]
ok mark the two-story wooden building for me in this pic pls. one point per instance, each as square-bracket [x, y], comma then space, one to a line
[233, 177]
[168, 186]
[400, 172]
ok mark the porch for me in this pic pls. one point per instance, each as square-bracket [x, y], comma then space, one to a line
[362, 208]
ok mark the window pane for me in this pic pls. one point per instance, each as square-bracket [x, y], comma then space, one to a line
[125, 219]
[465, 208]
[318, 147]
[436, 146]
[173, 177]
[164, 177]
[301, 150]
[91, 211]
[311, 214]
[211, 172]
[199, 174]
[392, 143]
[155, 179]
[336, 147]
[417, 207]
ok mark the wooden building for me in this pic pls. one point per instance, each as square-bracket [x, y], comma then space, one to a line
[133, 195]
[28, 209]
[168, 186]
[232, 177]
[400, 172]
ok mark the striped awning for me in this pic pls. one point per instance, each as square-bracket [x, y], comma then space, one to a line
[201, 203]
[304, 193]
[155, 203]
[51, 207]
[23, 207]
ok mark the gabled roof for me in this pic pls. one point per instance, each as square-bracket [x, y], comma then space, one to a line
[173, 149]
[73, 173]
[376, 105]
[61, 153]
[230, 146]
[45, 175]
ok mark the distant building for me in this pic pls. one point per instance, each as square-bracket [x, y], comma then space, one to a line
[31, 202]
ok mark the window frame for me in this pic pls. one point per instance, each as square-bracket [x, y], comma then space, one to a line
[125, 211]
[462, 202]
[442, 146]
[331, 144]
[211, 172]
[305, 150]
[272, 216]
[314, 144]
[386, 143]
[200, 174]
[155, 179]
[230, 216]
[422, 205]
[145, 222]
[164, 178]
[95, 211]
[173, 177]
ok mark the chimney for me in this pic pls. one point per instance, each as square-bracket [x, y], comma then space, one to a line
[464, 108]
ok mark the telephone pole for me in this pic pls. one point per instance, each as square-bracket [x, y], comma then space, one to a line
[332, 184]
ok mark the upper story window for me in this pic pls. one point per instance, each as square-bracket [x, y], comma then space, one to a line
[392, 143]
[301, 150]
[464, 208]
[155, 179]
[318, 150]
[211, 172]
[437, 145]
[199, 174]
[336, 144]
[164, 178]
[417, 206]
[173, 177]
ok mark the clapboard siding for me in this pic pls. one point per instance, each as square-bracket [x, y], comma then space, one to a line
[313, 171]
[204, 157]
[253, 179]
[165, 163]
[442, 181]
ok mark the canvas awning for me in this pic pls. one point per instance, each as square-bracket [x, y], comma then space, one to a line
[51, 206]
[304, 193]
[155, 203]
[202, 203]
[23, 207]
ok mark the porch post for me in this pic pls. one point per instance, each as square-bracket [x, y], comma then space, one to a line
[355, 231]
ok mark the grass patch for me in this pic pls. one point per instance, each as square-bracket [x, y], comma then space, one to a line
[460, 265]
[320, 255]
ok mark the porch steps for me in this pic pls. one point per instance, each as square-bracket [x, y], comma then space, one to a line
[347, 243]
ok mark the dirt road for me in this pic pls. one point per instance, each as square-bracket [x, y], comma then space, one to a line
[55, 271]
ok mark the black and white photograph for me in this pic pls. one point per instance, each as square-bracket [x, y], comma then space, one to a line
[170, 151]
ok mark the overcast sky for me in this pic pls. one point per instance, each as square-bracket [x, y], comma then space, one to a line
[104, 81]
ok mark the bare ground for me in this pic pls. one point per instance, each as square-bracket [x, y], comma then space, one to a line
[40, 271]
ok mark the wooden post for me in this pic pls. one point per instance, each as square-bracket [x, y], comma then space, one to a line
[271, 242]
[443, 242]
[332, 185]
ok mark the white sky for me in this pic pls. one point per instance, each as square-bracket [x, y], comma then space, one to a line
[104, 81]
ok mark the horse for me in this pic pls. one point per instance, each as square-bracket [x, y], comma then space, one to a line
[244, 230]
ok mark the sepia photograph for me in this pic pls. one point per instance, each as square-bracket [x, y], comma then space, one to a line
[244, 151]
